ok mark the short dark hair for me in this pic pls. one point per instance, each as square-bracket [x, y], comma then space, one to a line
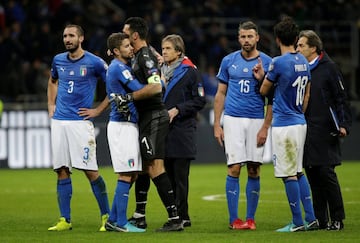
[248, 25]
[287, 31]
[79, 29]
[115, 40]
[313, 40]
[138, 24]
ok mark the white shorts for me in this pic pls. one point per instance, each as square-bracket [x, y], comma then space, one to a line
[123, 138]
[73, 144]
[240, 136]
[288, 148]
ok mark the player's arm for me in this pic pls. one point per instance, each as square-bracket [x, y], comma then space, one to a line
[263, 132]
[51, 95]
[86, 113]
[306, 97]
[147, 91]
[218, 109]
[94, 112]
[265, 87]
[153, 87]
[152, 73]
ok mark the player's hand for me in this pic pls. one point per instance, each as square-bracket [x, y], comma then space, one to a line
[258, 70]
[88, 113]
[173, 112]
[219, 135]
[261, 136]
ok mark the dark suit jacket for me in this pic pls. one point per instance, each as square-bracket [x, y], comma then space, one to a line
[184, 91]
[327, 90]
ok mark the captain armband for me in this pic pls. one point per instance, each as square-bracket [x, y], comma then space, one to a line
[154, 79]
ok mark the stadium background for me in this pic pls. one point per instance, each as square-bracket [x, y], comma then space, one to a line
[31, 34]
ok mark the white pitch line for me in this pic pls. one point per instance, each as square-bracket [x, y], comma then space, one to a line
[222, 197]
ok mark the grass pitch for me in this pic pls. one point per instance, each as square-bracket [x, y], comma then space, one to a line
[28, 207]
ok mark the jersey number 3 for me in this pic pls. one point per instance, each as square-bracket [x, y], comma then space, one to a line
[71, 87]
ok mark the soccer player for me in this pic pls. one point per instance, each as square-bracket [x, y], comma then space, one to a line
[122, 131]
[71, 87]
[153, 126]
[290, 74]
[322, 146]
[244, 129]
[184, 98]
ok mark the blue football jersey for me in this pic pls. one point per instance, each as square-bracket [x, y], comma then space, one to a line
[119, 80]
[243, 98]
[77, 81]
[289, 73]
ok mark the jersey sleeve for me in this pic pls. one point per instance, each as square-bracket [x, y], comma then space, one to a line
[223, 74]
[126, 77]
[101, 68]
[54, 73]
[272, 71]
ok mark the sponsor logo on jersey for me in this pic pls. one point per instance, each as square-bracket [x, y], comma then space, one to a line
[83, 71]
[71, 73]
[245, 70]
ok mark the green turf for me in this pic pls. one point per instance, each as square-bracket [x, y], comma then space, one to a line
[28, 207]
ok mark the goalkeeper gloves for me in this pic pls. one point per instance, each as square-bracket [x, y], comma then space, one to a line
[121, 102]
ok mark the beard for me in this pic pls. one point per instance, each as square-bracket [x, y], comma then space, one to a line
[72, 47]
[248, 48]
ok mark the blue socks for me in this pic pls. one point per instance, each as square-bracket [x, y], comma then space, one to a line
[64, 193]
[252, 196]
[232, 196]
[306, 198]
[120, 202]
[99, 189]
[293, 194]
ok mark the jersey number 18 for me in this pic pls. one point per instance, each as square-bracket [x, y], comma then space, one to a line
[300, 84]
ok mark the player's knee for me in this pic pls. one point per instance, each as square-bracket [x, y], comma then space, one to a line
[253, 170]
[156, 168]
[92, 175]
[234, 170]
[63, 172]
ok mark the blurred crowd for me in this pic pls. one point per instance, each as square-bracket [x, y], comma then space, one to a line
[31, 31]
